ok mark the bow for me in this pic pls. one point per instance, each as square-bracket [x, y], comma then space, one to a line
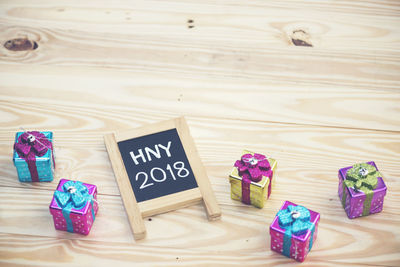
[362, 177]
[295, 220]
[253, 167]
[74, 196]
[74, 193]
[31, 144]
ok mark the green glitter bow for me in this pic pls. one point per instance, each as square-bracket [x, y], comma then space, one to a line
[362, 177]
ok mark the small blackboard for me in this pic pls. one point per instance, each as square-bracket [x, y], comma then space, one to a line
[157, 169]
[157, 165]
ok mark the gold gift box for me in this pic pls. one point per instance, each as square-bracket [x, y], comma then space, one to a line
[258, 190]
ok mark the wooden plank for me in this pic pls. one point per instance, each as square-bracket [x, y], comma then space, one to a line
[169, 95]
[262, 64]
[128, 197]
[257, 24]
[47, 251]
[251, 41]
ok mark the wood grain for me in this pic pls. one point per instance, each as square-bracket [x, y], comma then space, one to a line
[233, 69]
[166, 97]
[65, 252]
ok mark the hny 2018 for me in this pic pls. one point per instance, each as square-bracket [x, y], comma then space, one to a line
[157, 174]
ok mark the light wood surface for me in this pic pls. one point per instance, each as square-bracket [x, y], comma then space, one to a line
[232, 69]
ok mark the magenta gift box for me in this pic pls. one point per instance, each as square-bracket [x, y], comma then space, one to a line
[355, 201]
[294, 231]
[74, 206]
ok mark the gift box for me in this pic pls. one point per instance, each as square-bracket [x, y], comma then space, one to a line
[251, 178]
[74, 206]
[294, 231]
[34, 156]
[361, 189]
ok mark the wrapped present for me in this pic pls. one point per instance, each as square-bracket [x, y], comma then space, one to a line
[251, 178]
[34, 156]
[294, 231]
[74, 206]
[361, 189]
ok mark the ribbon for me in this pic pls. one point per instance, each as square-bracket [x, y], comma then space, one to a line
[362, 177]
[252, 168]
[31, 145]
[296, 221]
[74, 196]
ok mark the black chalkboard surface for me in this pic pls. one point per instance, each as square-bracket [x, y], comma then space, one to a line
[157, 165]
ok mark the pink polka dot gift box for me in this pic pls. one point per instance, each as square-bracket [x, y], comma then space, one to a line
[294, 231]
[361, 189]
[74, 206]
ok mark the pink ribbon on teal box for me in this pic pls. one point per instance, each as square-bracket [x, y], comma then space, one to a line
[30, 145]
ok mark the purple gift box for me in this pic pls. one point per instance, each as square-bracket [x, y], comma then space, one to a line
[354, 201]
[74, 206]
[294, 231]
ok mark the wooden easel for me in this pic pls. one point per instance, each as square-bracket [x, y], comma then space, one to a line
[137, 211]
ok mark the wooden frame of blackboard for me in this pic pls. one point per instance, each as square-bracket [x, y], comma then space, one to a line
[137, 211]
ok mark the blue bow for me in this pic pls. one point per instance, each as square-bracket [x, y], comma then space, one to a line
[296, 221]
[74, 196]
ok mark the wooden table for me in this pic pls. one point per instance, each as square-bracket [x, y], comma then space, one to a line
[314, 84]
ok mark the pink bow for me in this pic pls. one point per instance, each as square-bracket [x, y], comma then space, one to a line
[253, 167]
[31, 144]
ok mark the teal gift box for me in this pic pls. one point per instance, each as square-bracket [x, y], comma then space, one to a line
[34, 156]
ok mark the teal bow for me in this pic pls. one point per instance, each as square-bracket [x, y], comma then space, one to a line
[296, 221]
[74, 196]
